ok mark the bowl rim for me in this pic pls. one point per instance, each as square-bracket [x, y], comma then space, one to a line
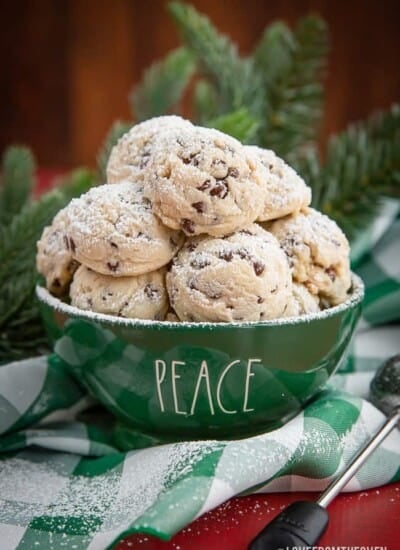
[356, 297]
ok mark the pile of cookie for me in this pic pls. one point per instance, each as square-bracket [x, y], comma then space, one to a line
[192, 225]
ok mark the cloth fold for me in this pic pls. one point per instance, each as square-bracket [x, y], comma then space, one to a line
[64, 484]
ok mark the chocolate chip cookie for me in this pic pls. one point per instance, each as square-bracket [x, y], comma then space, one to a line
[113, 230]
[141, 297]
[318, 253]
[242, 277]
[200, 180]
[54, 258]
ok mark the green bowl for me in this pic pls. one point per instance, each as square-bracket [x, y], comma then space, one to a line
[168, 381]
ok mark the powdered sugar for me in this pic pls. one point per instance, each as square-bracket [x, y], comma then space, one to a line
[111, 499]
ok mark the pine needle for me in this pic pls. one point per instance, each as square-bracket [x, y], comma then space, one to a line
[236, 82]
[17, 181]
[292, 64]
[162, 85]
[362, 165]
[239, 124]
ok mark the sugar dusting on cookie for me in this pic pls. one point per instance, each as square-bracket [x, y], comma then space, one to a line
[113, 230]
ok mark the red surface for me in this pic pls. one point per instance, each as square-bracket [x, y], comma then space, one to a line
[364, 520]
[367, 520]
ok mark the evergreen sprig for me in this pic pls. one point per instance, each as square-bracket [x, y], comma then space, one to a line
[21, 330]
[236, 81]
[292, 65]
[362, 164]
[17, 181]
[163, 85]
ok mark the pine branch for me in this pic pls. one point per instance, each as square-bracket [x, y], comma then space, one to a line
[118, 129]
[236, 82]
[18, 167]
[292, 64]
[18, 252]
[239, 124]
[76, 183]
[21, 330]
[362, 165]
[205, 102]
[23, 336]
[163, 85]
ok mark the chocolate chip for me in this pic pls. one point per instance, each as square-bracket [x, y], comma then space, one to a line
[72, 265]
[173, 242]
[192, 284]
[191, 246]
[200, 206]
[151, 292]
[219, 190]
[72, 244]
[192, 159]
[215, 295]
[330, 271]
[260, 300]
[113, 266]
[243, 254]
[199, 263]
[258, 268]
[114, 245]
[187, 226]
[233, 172]
[205, 185]
[145, 159]
[274, 289]
[227, 255]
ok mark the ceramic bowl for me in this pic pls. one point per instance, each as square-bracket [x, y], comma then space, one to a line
[168, 381]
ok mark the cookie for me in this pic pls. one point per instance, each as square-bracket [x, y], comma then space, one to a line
[286, 191]
[113, 230]
[203, 181]
[242, 277]
[301, 302]
[129, 157]
[141, 297]
[54, 257]
[318, 253]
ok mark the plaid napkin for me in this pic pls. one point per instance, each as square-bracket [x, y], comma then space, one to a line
[63, 484]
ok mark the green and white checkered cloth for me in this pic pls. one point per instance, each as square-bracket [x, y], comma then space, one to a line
[64, 485]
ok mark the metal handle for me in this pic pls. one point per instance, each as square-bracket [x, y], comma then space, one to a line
[358, 460]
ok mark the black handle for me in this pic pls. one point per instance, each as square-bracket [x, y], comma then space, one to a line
[301, 524]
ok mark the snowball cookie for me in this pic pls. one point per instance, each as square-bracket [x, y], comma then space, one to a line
[129, 157]
[201, 180]
[54, 257]
[113, 230]
[141, 297]
[318, 253]
[286, 191]
[242, 277]
[301, 302]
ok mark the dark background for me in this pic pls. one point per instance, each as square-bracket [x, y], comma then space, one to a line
[67, 66]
